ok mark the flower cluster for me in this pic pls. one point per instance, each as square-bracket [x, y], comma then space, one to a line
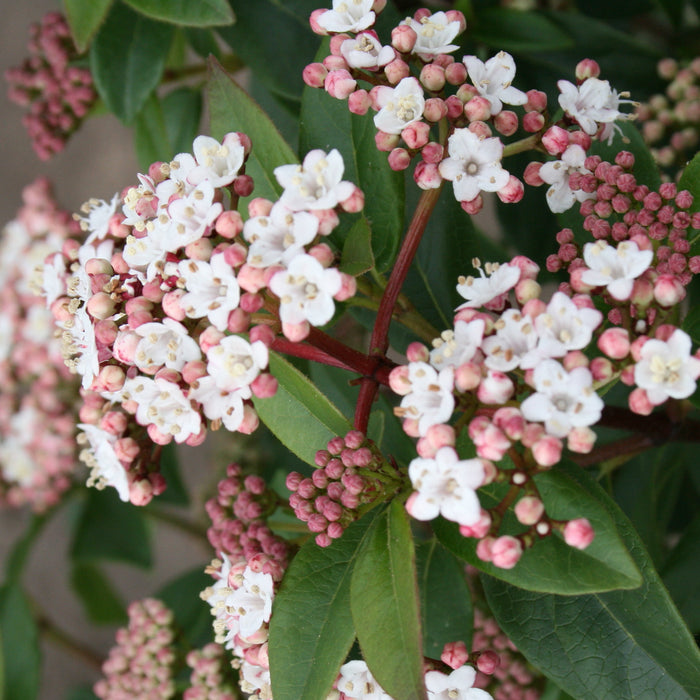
[209, 679]
[464, 101]
[250, 563]
[58, 93]
[39, 400]
[170, 305]
[669, 121]
[352, 476]
[521, 381]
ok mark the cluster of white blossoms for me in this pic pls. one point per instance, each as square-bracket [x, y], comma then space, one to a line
[170, 304]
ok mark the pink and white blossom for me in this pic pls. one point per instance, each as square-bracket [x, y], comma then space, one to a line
[430, 400]
[399, 106]
[456, 347]
[560, 196]
[515, 337]
[434, 34]
[357, 683]
[218, 163]
[497, 280]
[365, 52]
[252, 601]
[493, 80]
[458, 685]
[615, 268]
[99, 455]
[166, 344]
[234, 362]
[347, 16]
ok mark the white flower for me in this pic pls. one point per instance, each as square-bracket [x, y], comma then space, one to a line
[348, 16]
[140, 203]
[17, 464]
[234, 362]
[98, 215]
[474, 165]
[252, 601]
[454, 348]
[481, 290]
[316, 184]
[212, 290]
[145, 254]
[53, 278]
[446, 486]
[560, 196]
[164, 344]
[106, 469]
[306, 291]
[666, 369]
[430, 401]
[255, 680]
[593, 103]
[515, 338]
[493, 80]
[615, 268]
[193, 215]
[279, 237]
[218, 163]
[435, 32]
[562, 327]
[217, 404]
[163, 404]
[365, 51]
[563, 400]
[79, 340]
[399, 106]
[357, 683]
[458, 685]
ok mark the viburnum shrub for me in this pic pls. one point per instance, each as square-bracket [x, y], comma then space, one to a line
[454, 465]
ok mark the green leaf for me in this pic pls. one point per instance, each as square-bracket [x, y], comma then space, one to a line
[84, 692]
[127, 59]
[84, 18]
[517, 31]
[326, 123]
[232, 109]
[106, 528]
[627, 644]
[150, 135]
[14, 564]
[203, 42]
[681, 574]
[550, 565]
[274, 38]
[690, 180]
[202, 13]
[176, 492]
[102, 604]
[192, 614]
[357, 257]
[311, 629]
[21, 657]
[299, 415]
[182, 111]
[384, 603]
[691, 324]
[445, 599]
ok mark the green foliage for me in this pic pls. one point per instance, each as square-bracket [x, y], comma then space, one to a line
[127, 59]
[551, 566]
[311, 628]
[21, 657]
[84, 18]
[203, 13]
[101, 603]
[626, 644]
[192, 614]
[106, 528]
[299, 415]
[384, 604]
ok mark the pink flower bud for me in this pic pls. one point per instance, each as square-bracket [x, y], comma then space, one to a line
[506, 552]
[578, 533]
[456, 73]
[533, 122]
[250, 303]
[403, 38]
[416, 135]
[474, 206]
[536, 101]
[209, 338]
[196, 439]
[110, 378]
[323, 254]
[481, 129]
[172, 306]
[106, 332]
[639, 403]
[441, 435]
[454, 654]
[547, 451]
[529, 510]
[477, 109]
[396, 71]
[355, 202]
[314, 75]
[601, 369]
[399, 382]
[264, 386]
[488, 662]
[316, 28]
[339, 84]
[532, 174]
[478, 529]
[574, 359]
[250, 278]
[101, 305]
[296, 332]
[668, 290]
[238, 321]
[615, 343]
[126, 449]
[141, 492]
[581, 440]
[427, 176]
[495, 388]
[399, 159]
[199, 249]
[484, 547]
[587, 68]
[455, 107]
[359, 102]
[467, 376]
[512, 191]
[506, 122]
[259, 207]
[510, 421]
[432, 77]
[125, 347]
[525, 290]
[432, 153]
[580, 138]
[334, 63]
[555, 140]
[386, 142]
[157, 436]
[337, 40]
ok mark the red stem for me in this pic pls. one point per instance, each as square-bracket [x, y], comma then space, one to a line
[380, 334]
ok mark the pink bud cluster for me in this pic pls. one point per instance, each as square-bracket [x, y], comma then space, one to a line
[513, 678]
[669, 121]
[39, 399]
[142, 663]
[238, 528]
[169, 308]
[58, 94]
[211, 677]
[352, 475]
